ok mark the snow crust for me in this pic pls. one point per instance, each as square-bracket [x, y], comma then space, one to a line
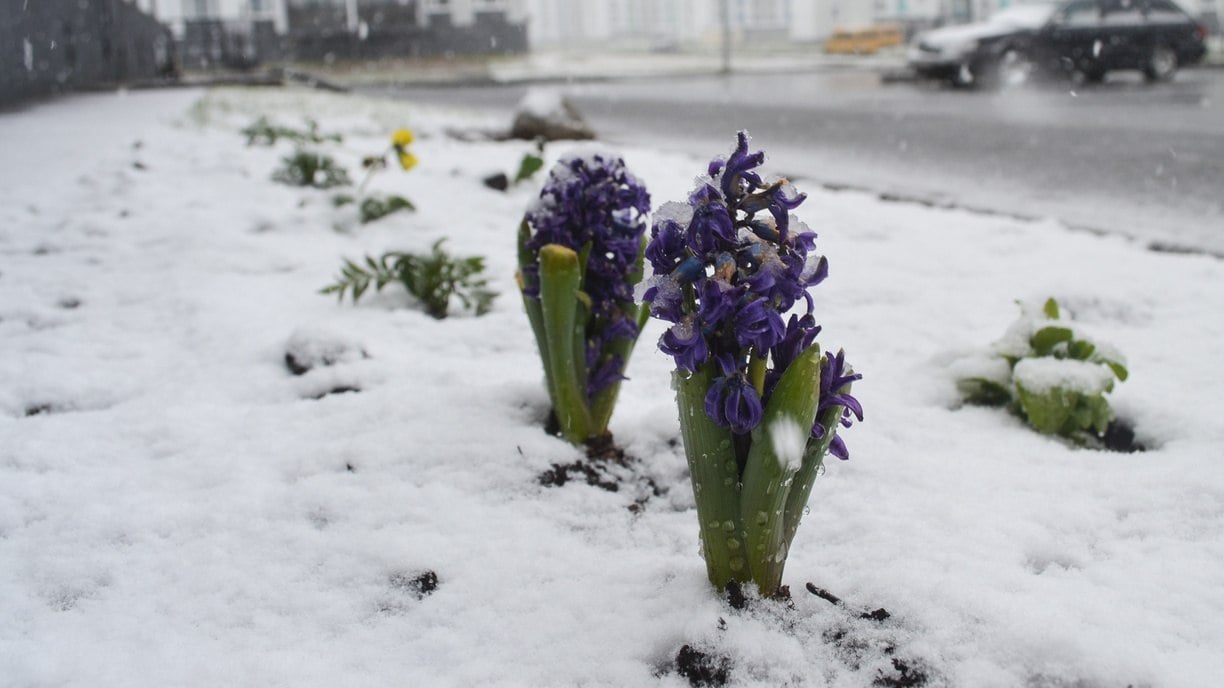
[982, 366]
[178, 509]
[545, 103]
[1040, 375]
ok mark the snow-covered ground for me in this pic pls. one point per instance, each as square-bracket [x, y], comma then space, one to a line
[178, 509]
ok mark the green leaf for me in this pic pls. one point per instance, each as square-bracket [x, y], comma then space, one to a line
[1050, 309]
[1080, 350]
[777, 453]
[983, 392]
[801, 490]
[1045, 339]
[529, 165]
[1118, 369]
[559, 281]
[1048, 412]
[714, 472]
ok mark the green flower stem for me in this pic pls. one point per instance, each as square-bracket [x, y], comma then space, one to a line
[712, 466]
[756, 373]
[768, 477]
[563, 328]
[813, 458]
[605, 402]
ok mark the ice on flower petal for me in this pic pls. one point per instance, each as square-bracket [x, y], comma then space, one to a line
[815, 269]
[680, 213]
[1040, 375]
[789, 441]
[664, 294]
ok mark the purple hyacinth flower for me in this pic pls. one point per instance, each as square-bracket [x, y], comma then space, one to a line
[732, 402]
[685, 342]
[729, 267]
[594, 206]
[667, 245]
[758, 325]
[737, 171]
[835, 378]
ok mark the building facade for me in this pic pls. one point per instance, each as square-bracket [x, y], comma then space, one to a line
[635, 24]
[239, 33]
[50, 46]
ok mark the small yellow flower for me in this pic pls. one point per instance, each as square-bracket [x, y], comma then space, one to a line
[407, 160]
[402, 137]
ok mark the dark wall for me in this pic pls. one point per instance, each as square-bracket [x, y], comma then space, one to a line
[212, 44]
[50, 46]
[317, 36]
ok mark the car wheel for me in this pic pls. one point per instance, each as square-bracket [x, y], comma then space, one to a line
[1012, 69]
[1161, 64]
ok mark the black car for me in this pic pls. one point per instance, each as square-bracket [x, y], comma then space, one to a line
[1082, 37]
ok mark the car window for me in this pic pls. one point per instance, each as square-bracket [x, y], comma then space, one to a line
[1022, 16]
[1121, 13]
[1165, 12]
[1084, 13]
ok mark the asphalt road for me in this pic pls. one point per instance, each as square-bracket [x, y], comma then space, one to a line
[1123, 157]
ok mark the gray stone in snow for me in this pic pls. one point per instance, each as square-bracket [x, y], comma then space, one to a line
[549, 119]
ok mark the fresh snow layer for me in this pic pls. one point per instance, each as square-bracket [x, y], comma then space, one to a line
[1040, 375]
[178, 509]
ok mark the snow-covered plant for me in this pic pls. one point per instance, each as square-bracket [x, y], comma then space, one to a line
[309, 168]
[262, 132]
[580, 256]
[1049, 374]
[432, 278]
[374, 208]
[759, 404]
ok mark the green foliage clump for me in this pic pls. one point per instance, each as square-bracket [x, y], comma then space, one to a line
[373, 208]
[306, 168]
[433, 279]
[1049, 375]
[263, 133]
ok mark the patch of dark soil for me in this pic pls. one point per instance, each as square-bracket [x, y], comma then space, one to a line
[497, 182]
[606, 466]
[39, 410]
[342, 389]
[560, 474]
[702, 668]
[294, 366]
[903, 675]
[419, 585]
[69, 303]
[1120, 437]
[305, 354]
[739, 600]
